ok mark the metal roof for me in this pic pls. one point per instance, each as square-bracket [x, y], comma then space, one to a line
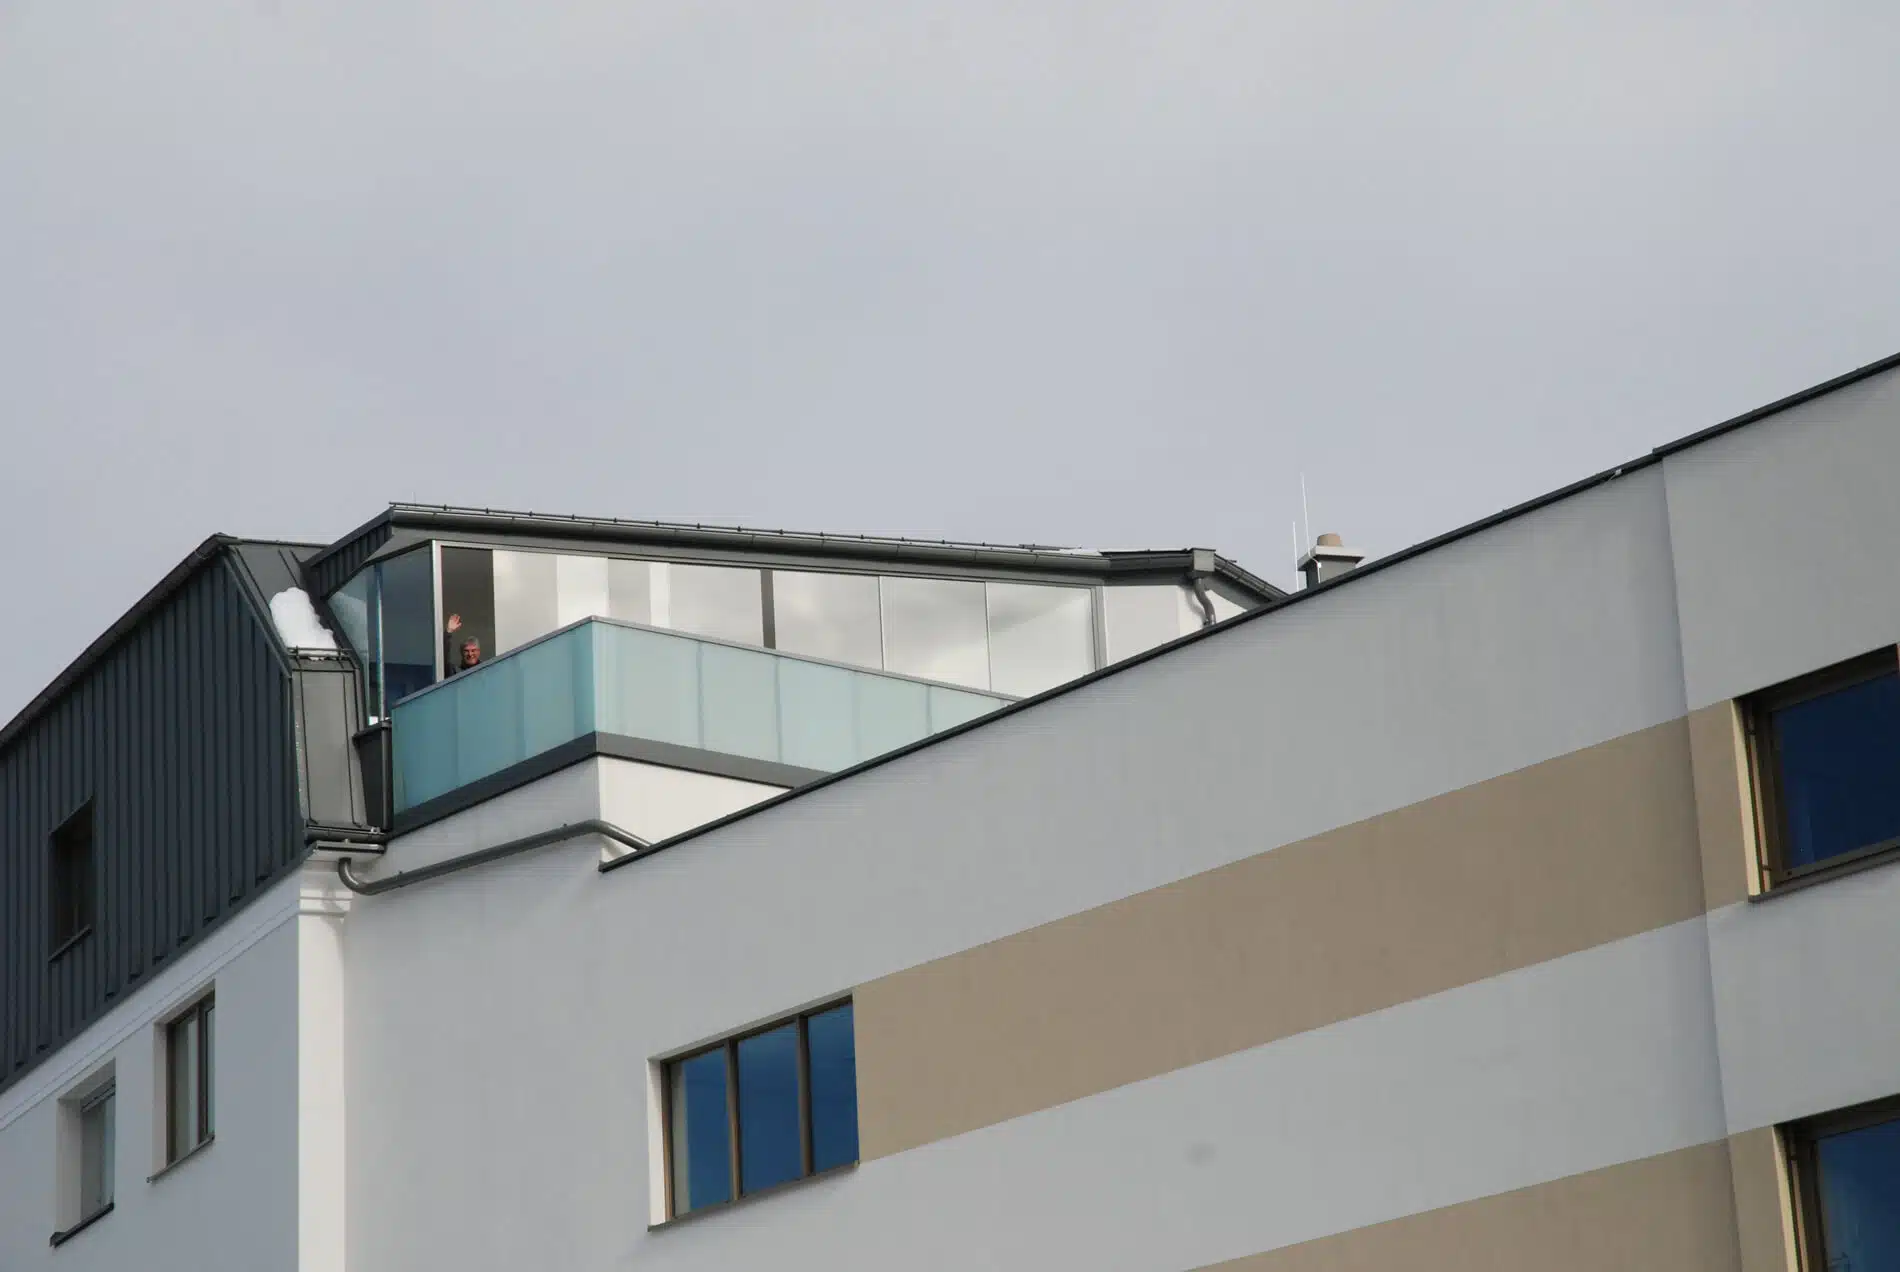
[263, 564]
[443, 520]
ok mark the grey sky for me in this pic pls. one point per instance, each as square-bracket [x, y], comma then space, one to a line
[1090, 272]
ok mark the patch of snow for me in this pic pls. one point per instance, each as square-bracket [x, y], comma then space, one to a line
[297, 621]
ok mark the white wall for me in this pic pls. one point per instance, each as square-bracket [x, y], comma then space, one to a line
[1787, 539]
[651, 801]
[234, 1205]
[502, 1019]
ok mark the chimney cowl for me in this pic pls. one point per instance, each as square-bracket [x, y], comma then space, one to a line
[1328, 559]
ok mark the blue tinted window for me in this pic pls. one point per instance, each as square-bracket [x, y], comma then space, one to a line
[1860, 1197]
[769, 1151]
[834, 1088]
[1840, 771]
[702, 1149]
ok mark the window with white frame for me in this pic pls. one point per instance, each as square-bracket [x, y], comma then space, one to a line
[88, 1153]
[189, 1049]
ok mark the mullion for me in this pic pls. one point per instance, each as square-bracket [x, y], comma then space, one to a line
[732, 1114]
[804, 1101]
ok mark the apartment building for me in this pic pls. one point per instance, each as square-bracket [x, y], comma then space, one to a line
[1522, 899]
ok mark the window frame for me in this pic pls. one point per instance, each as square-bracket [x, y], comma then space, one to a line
[64, 893]
[205, 1130]
[99, 1099]
[1764, 766]
[1801, 1140]
[735, 1166]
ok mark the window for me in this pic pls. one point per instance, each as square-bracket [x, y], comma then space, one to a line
[1826, 756]
[96, 1153]
[937, 629]
[1040, 637]
[86, 1153]
[188, 1080]
[72, 871]
[832, 616]
[761, 1110]
[1847, 1174]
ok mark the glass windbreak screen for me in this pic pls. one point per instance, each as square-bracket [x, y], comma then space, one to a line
[770, 1151]
[1860, 1197]
[350, 604]
[937, 629]
[833, 616]
[1039, 636]
[710, 600]
[701, 1132]
[1840, 771]
[1140, 617]
[834, 1088]
[407, 590]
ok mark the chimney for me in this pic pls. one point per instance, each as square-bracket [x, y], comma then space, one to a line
[1328, 560]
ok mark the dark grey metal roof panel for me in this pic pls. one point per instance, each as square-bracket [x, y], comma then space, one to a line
[177, 726]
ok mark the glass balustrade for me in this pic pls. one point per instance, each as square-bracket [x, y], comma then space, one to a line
[605, 676]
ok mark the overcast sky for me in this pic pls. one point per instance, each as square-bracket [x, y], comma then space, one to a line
[1086, 273]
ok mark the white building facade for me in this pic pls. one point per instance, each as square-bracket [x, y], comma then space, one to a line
[1526, 899]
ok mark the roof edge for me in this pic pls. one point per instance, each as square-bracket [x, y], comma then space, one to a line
[209, 550]
[1655, 456]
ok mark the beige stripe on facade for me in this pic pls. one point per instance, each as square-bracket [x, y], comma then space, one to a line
[1725, 809]
[1662, 1214]
[1575, 852]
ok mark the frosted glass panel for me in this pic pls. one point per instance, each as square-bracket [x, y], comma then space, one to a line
[557, 691]
[527, 598]
[488, 718]
[890, 714]
[950, 707]
[424, 747]
[661, 687]
[648, 686]
[831, 616]
[817, 725]
[937, 629]
[1141, 617]
[1039, 636]
[580, 586]
[738, 702]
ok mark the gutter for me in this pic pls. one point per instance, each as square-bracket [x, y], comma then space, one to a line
[540, 839]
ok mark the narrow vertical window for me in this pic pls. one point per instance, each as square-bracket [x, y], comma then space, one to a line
[762, 1109]
[96, 1152]
[702, 1134]
[72, 870]
[188, 1069]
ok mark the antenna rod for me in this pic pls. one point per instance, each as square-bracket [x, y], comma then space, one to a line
[1305, 516]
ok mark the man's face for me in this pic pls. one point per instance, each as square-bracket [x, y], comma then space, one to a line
[471, 653]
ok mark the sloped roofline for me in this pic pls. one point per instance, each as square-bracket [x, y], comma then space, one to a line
[213, 547]
[1655, 456]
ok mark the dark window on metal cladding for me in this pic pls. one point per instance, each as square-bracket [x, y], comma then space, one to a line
[762, 1109]
[1847, 1188]
[72, 885]
[1826, 759]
